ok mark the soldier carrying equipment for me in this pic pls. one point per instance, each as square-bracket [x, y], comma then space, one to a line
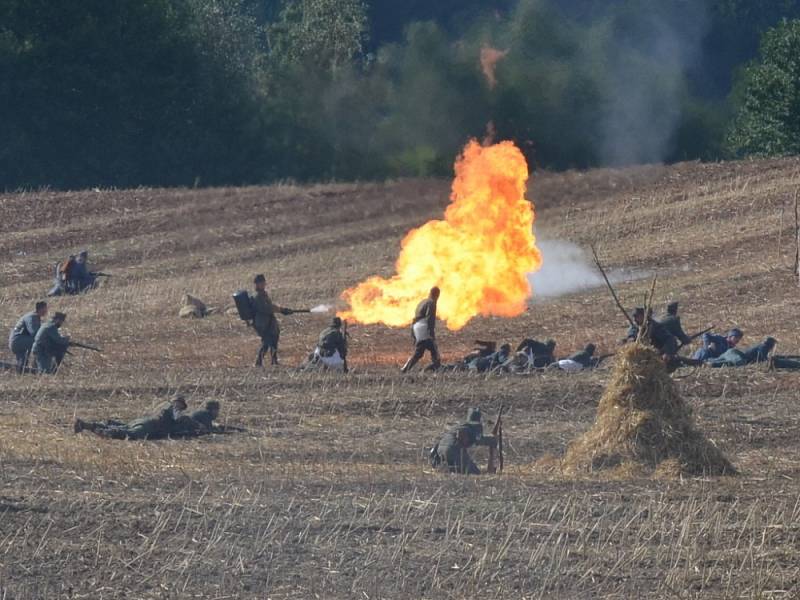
[423, 331]
[451, 450]
[265, 322]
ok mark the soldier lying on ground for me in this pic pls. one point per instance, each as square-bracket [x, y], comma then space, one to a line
[160, 424]
[715, 345]
[739, 358]
[331, 350]
[451, 450]
[585, 359]
[197, 422]
[539, 355]
[490, 362]
[21, 337]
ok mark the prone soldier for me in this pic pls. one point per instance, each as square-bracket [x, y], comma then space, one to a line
[160, 424]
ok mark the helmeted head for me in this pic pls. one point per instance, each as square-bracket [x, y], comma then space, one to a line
[734, 336]
[672, 308]
[212, 406]
[83, 255]
[41, 308]
[336, 322]
[638, 315]
[551, 345]
[260, 281]
[178, 402]
[435, 291]
[59, 318]
[474, 416]
[589, 349]
[770, 343]
[505, 349]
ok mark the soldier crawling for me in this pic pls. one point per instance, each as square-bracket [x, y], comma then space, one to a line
[451, 449]
[159, 424]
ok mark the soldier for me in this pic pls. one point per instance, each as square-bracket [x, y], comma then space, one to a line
[451, 450]
[83, 279]
[493, 360]
[661, 339]
[539, 354]
[672, 323]
[198, 422]
[578, 361]
[161, 423]
[265, 321]
[739, 358]
[49, 346]
[20, 340]
[715, 345]
[424, 332]
[331, 350]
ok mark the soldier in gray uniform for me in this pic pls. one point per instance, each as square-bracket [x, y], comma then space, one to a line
[425, 320]
[20, 340]
[49, 346]
[265, 321]
[160, 424]
[199, 421]
[451, 450]
[585, 357]
[672, 323]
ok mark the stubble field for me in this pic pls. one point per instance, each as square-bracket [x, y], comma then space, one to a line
[328, 494]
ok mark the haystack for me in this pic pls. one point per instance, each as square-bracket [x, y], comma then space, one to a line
[644, 424]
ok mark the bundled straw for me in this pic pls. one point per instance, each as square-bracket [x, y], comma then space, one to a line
[642, 422]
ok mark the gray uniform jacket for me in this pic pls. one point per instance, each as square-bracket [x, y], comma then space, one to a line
[49, 342]
[22, 335]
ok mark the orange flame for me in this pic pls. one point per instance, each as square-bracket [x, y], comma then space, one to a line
[479, 256]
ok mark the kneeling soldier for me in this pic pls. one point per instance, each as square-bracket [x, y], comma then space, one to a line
[20, 340]
[49, 346]
[451, 450]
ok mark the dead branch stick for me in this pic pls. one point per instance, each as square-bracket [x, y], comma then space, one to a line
[644, 330]
[796, 236]
[611, 287]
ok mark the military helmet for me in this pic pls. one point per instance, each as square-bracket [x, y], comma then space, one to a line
[672, 308]
[590, 348]
[336, 322]
[259, 278]
[551, 344]
[178, 399]
[474, 415]
[59, 316]
[212, 405]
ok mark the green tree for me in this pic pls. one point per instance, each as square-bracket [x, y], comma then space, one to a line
[766, 99]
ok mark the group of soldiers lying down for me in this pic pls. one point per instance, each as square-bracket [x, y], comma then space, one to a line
[168, 420]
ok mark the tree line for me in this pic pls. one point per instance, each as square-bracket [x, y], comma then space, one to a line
[210, 92]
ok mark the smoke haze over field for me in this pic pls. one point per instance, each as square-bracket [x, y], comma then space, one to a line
[566, 269]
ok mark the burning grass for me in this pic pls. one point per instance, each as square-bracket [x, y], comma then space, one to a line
[642, 422]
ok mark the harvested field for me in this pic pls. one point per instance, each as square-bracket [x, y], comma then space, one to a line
[328, 494]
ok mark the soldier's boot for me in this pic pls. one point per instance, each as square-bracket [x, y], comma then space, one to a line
[260, 358]
[409, 364]
[274, 358]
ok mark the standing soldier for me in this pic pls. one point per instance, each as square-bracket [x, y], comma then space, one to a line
[265, 322]
[424, 332]
[451, 450]
[672, 323]
[20, 340]
[49, 346]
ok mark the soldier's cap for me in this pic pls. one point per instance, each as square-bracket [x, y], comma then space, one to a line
[735, 333]
[474, 415]
[259, 278]
[770, 342]
[83, 253]
[59, 316]
[672, 308]
[336, 322]
[435, 291]
[639, 310]
[590, 348]
[212, 405]
[178, 399]
[505, 348]
[40, 305]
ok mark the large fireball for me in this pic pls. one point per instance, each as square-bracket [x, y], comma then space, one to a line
[480, 255]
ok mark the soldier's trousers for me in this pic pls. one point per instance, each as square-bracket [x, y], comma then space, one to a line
[459, 461]
[45, 364]
[419, 352]
[21, 347]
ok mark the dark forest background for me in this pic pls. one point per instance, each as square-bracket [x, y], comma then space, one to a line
[209, 92]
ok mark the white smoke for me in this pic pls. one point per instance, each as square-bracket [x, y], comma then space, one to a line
[322, 309]
[567, 268]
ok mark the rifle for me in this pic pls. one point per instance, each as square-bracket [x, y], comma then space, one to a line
[294, 311]
[346, 336]
[497, 432]
[101, 274]
[695, 336]
[601, 358]
[84, 346]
